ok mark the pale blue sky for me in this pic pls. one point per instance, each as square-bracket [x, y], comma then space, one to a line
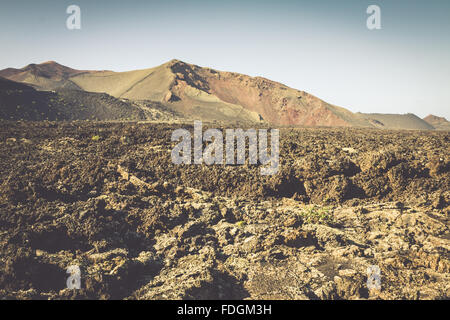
[322, 47]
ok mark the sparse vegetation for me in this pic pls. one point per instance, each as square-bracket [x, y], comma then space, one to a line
[240, 224]
[317, 214]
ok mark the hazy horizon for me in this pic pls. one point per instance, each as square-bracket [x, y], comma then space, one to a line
[321, 47]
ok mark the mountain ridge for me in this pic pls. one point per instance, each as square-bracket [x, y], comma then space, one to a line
[205, 93]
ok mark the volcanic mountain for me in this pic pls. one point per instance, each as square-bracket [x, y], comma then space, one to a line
[203, 93]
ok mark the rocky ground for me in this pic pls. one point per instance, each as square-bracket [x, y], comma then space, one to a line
[106, 197]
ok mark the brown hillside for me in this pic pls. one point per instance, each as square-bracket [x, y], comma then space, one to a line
[19, 101]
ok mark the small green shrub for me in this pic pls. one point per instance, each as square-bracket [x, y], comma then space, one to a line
[316, 214]
[240, 224]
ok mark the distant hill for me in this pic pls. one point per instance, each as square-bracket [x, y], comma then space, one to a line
[439, 123]
[46, 76]
[203, 93]
[22, 102]
[396, 121]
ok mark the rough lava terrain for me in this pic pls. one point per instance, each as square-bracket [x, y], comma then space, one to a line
[106, 197]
